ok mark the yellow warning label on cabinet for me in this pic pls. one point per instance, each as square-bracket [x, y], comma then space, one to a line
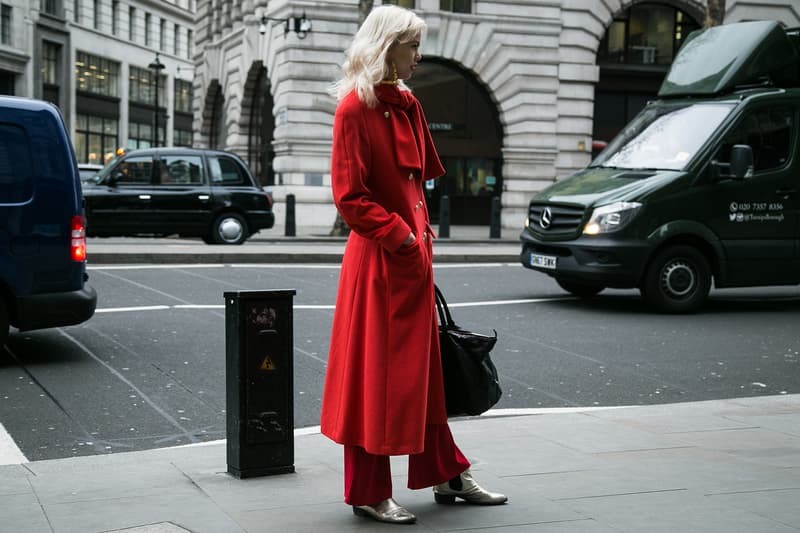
[267, 364]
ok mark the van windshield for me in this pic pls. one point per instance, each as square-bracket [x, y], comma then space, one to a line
[664, 137]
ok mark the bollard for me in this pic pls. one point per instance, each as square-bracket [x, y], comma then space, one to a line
[494, 224]
[444, 217]
[290, 216]
[259, 382]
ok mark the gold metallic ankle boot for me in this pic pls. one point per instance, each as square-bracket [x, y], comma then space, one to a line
[464, 487]
[387, 510]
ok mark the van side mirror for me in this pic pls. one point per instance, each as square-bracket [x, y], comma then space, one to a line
[741, 161]
[740, 166]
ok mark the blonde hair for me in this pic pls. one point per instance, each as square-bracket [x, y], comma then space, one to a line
[366, 65]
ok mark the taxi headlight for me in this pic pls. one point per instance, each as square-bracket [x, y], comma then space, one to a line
[611, 217]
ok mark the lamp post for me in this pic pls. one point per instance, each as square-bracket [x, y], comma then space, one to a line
[156, 66]
[300, 25]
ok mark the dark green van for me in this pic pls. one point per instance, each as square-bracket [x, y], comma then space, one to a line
[704, 184]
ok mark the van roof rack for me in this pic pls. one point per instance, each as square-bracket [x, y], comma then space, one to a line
[725, 58]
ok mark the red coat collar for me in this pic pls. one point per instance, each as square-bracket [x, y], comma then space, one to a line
[392, 95]
[413, 143]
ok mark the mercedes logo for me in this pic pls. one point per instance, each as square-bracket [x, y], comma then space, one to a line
[547, 218]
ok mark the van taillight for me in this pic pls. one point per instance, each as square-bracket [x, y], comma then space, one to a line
[77, 246]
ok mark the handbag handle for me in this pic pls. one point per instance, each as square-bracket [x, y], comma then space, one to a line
[445, 318]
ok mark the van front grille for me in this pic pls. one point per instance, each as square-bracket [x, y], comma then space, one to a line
[549, 218]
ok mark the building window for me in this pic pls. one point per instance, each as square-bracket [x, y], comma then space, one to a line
[132, 24]
[96, 139]
[189, 44]
[114, 16]
[97, 8]
[142, 87]
[455, 6]
[51, 72]
[183, 96]
[147, 18]
[182, 138]
[176, 40]
[408, 4]
[96, 75]
[49, 6]
[140, 135]
[5, 24]
[76, 10]
[162, 35]
[50, 53]
[646, 34]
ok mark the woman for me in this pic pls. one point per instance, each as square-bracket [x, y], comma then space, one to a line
[384, 392]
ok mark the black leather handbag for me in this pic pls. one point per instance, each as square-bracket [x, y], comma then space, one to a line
[471, 384]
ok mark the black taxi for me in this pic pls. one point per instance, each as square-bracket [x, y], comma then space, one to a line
[177, 191]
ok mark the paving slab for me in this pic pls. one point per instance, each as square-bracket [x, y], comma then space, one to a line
[716, 467]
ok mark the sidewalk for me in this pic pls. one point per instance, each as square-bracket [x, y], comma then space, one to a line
[718, 467]
[311, 245]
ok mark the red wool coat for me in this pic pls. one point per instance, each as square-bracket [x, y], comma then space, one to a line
[384, 377]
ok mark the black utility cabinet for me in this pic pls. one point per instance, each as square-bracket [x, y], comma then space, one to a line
[259, 382]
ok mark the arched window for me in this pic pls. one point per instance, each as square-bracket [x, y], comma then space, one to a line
[466, 130]
[216, 138]
[260, 153]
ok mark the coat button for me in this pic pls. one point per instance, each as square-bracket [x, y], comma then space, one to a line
[411, 176]
[385, 114]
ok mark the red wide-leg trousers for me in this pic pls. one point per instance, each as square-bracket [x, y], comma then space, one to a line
[368, 477]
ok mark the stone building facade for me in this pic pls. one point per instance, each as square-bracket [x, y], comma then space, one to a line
[92, 59]
[524, 76]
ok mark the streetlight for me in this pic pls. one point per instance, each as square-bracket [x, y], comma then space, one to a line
[157, 66]
[300, 25]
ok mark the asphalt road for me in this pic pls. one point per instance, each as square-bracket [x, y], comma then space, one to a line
[149, 369]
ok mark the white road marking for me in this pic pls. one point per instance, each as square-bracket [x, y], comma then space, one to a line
[328, 266]
[485, 303]
[127, 309]
[10, 454]
[151, 267]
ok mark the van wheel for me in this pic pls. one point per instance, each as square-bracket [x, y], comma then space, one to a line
[229, 228]
[584, 290]
[678, 280]
[3, 323]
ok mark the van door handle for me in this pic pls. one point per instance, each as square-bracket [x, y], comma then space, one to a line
[144, 197]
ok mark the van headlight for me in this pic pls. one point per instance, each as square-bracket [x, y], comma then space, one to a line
[611, 217]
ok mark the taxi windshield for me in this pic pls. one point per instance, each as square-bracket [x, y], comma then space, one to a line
[664, 137]
[103, 172]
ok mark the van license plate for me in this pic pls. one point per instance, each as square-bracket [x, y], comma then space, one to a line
[543, 261]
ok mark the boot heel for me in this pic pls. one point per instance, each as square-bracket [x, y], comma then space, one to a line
[444, 498]
[359, 512]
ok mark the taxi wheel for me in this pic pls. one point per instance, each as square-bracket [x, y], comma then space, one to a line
[583, 290]
[678, 280]
[229, 228]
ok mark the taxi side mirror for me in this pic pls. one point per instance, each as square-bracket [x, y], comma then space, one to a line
[114, 177]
